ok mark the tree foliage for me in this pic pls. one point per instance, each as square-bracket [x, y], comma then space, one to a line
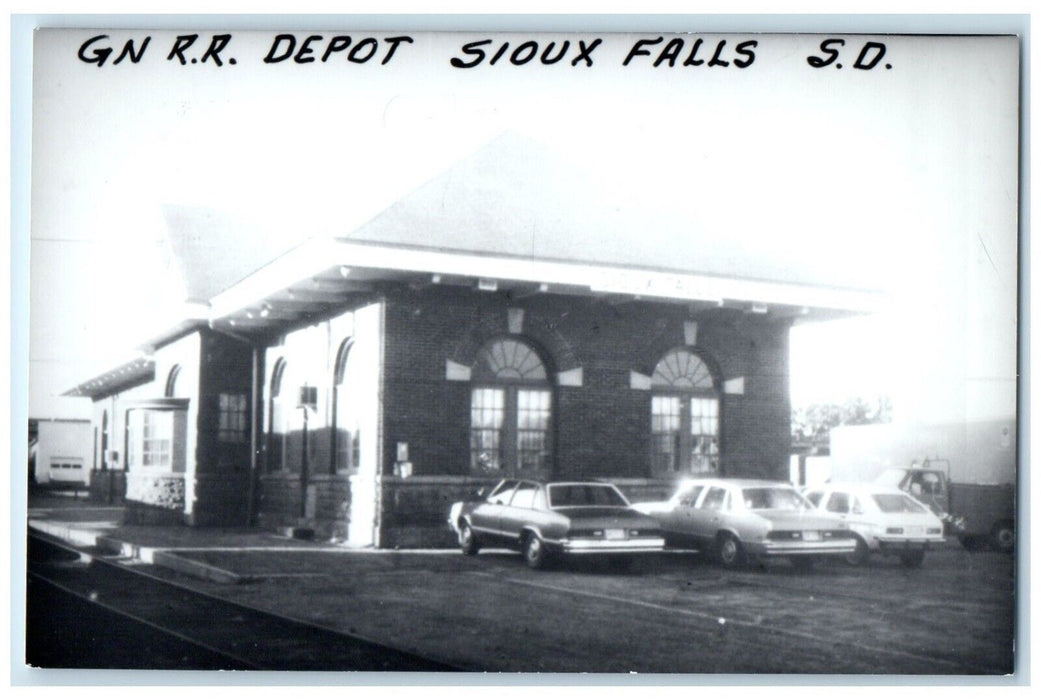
[812, 424]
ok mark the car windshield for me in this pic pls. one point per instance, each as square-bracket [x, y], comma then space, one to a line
[896, 503]
[565, 495]
[774, 498]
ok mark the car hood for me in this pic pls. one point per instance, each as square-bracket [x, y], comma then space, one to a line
[807, 520]
[587, 516]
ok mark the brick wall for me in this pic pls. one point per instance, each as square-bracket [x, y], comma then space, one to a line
[602, 428]
[415, 510]
[326, 510]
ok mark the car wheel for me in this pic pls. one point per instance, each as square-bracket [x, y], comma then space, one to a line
[971, 542]
[729, 551]
[468, 540]
[804, 563]
[913, 559]
[859, 555]
[535, 554]
[1004, 537]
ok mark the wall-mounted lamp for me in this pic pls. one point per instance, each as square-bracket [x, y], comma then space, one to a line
[308, 397]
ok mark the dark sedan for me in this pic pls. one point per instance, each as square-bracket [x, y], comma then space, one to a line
[546, 519]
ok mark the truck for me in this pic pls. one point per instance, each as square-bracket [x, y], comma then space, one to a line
[965, 472]
[62, 449]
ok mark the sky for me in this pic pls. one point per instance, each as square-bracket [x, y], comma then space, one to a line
[898, 179]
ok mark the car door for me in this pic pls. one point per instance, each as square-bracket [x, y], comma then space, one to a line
[706, 518]
[680, 519]
[486, 518]
[519, 512]
[839, 505]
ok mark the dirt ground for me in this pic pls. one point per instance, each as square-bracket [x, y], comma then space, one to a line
[672, 613]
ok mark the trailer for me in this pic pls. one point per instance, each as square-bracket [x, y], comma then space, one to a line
[965, 472]
[63, 453]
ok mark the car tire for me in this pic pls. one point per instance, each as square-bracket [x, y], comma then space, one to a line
[859, 555]
[729, 551]
[468, 540]
[971, 542]
[912, 559]
[1003, 537]
[535, 554]
[804, 564]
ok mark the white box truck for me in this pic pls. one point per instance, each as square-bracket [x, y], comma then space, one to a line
[965, 472]
[64, 451]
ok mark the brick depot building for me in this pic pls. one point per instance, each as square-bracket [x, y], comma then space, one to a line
[491, 323]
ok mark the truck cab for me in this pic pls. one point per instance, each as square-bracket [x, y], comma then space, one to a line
[977, 514]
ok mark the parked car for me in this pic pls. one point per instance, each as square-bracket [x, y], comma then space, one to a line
[883, 518]
[544, 519]
[738, 520]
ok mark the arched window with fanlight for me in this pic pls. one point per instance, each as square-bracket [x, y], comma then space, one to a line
[511, 409]
[277, 435]
[171, 381]
[684, 415]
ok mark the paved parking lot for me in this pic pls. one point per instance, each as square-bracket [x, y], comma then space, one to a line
[674, 612]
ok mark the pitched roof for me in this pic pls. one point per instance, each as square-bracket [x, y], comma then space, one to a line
[517, 197]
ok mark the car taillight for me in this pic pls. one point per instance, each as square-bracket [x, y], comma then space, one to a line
[894, 530]
[784, 535]
[934, 531]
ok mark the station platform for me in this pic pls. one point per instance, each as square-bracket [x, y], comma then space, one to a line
[223, 555]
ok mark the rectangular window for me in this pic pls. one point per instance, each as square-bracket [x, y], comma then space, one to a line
[533, 413]
[665, 433]
[233, 419]
[487, 409]
[150, 439]
[524, 496]
[704, 434]
[715, 499]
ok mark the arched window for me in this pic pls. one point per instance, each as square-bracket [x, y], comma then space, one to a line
[346, 434]
[510, 410]
[171, 381]
[277, 421]
[684, 415]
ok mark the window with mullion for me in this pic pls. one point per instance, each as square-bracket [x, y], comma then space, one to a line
[511, 410]
[684, 415]
[150, 439]
[487, 413]
[704, 434]
[665, 433]
[533, 423]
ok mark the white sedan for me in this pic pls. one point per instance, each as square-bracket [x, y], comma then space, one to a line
[883, 518]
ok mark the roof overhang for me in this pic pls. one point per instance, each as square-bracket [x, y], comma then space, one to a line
[185, 318]
[124, 376]
[324, 273]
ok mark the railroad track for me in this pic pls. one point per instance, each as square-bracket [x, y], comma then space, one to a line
[194, 629]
